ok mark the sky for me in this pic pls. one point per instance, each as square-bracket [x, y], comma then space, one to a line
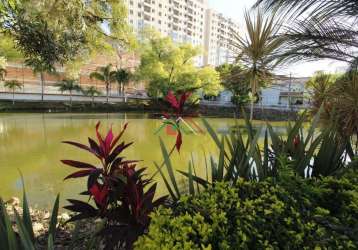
[235, 10]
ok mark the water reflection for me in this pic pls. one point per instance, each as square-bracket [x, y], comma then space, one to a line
[32, 144]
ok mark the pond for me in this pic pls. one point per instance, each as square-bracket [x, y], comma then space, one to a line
[31, 143]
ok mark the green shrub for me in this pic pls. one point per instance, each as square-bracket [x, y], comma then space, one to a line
[290, 214]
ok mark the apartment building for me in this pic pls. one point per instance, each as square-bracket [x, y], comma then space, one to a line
[219, 38]
[185, 21]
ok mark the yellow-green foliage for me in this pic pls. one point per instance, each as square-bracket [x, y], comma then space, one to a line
[289, 214]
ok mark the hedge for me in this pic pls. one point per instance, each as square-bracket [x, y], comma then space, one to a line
[287, 214]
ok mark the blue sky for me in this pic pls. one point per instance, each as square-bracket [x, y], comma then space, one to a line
[235, 10]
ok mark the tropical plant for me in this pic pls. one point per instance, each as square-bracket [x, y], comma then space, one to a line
[69, 85]
[318, 29]
[123, 77]
[13, 85]
[118, 189]
[92, 92]
[105, 75]
[23, 237]
[41, 68]
[310, 155]
[338, 96]
[258, 50]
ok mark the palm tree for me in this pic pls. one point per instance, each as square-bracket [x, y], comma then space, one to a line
[105, 75]
[92, 92]
[69, 85]
[40, 67]
[13, 85]
[258, 51]
[318, 28]
[122, 77]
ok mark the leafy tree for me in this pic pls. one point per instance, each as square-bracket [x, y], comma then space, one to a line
[13, 85]
[92, 92]
[232, 78]
[123, 77]
[167, 66]
[105, 75]
[7, 48]
[318, 28]
[56, 31]
[258, 50]
[69, 85]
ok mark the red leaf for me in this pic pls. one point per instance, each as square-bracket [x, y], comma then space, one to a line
[78, 164]
[114, 142]
[99, 137]
[100, 194]
[81, 173]
[183, 99]
[117, 151]
[171, 98]
[79, 145]
[179, 141]
[108, 140]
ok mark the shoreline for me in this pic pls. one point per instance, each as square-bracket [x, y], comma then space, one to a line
[136, 106]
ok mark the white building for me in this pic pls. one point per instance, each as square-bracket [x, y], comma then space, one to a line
[218, 39]
[283, 92]
[185, 21]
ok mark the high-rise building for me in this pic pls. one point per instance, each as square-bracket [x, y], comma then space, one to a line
[185, 21]
[219, 39]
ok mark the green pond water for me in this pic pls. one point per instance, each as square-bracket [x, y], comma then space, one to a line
[32, 144]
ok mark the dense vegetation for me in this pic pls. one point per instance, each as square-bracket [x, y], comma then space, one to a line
[288, 213]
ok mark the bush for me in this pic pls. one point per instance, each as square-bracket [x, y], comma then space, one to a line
[289, 214]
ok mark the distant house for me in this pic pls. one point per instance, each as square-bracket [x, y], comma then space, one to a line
[283, 92]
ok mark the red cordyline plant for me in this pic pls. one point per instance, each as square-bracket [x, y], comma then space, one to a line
[177, 104]
[117, 189]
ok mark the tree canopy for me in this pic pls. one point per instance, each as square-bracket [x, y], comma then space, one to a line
[168, 66]
[57, 31]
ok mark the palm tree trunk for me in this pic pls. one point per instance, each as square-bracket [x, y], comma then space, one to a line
[13, 96]
[107, 92]
[93, 101]
[42, 85]
[252, 110]
[71, 98]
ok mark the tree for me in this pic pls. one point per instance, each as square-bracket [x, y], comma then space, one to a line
[318, 28]
[41, 68]
[232, 78]
[69, 85]
[13, 85]
[92, 92]
[123, 77]
[258, 50]
[105, 75]
[168, 66]
[57, 31]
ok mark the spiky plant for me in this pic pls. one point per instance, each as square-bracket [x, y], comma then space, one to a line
[258, 50]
